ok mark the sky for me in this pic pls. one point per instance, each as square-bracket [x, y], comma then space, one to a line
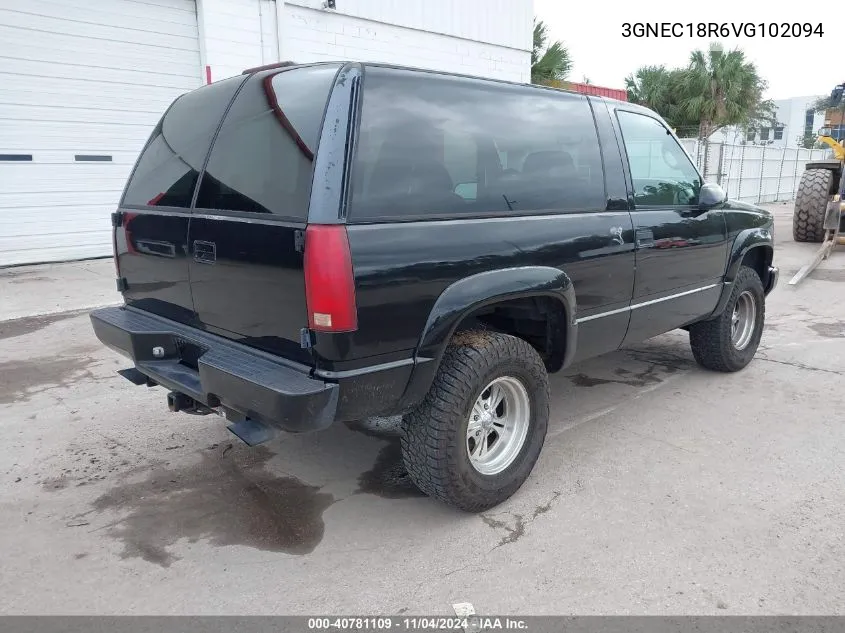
[793, 67]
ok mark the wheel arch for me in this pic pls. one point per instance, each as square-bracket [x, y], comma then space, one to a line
[753, 247]
[466, 298]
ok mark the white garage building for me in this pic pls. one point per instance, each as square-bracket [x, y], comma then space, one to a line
[83, 82]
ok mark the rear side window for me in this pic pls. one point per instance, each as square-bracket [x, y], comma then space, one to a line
[262, 160]
[167, 170]
[435, 145]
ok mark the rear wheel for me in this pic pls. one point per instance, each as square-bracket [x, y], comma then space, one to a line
[476, 436]
[811, 204]
[729, 342]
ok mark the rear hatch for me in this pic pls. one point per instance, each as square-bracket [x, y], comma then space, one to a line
[151, 225]
[247, 231]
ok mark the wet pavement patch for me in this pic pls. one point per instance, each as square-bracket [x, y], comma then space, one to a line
[28, 325]
[222, 500]
[829, 330]
[658, 366]
[22, 379]
[388, 477]
[583, 380]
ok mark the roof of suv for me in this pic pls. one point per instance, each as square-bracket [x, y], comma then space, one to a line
[292, 64]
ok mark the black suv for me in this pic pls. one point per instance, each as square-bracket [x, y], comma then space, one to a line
[323, 243]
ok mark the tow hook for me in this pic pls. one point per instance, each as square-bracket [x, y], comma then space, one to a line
[177, 401]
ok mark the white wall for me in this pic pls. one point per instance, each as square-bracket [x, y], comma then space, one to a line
[237, 34]
[314, 35]
[505, 23]
[490, 38]
[792, 113]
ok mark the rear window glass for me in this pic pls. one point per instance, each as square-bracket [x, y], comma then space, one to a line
[434, 145]
[262, 160]
[167, 171]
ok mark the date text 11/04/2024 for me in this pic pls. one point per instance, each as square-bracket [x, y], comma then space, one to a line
[722, 29]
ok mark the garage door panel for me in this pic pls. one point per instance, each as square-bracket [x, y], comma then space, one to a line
[52, 158]
[52, 198]
[175, 11]
[49, 240]
[79, 138]
[55, 251]
[48, 70]
[72, 42]
[77, 115]
[47, 26]
[93, 53]
[43, 221]
[17, 89]
[103, 17]
[57, 179]
[108, 184]
[82, 77]
[42, 172]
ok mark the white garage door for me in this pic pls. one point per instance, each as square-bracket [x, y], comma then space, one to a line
[82, 84]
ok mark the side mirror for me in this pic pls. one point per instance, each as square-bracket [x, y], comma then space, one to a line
[711, 195]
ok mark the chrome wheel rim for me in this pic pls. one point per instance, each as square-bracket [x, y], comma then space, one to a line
[743, 320]
[498, 425]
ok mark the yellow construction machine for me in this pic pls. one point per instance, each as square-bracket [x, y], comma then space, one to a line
[819, 214]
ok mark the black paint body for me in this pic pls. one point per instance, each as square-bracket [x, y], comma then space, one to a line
[612, 275]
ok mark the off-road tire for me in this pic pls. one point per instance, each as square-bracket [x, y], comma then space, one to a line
[434, 433]
[811, 204]
[711, 340]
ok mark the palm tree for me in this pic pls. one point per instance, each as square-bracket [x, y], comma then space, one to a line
[658, 88]
[721, 88]
[650, 86]
[549, 64]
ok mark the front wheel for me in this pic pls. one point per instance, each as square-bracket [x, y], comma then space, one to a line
[476, 436]
[729, 342]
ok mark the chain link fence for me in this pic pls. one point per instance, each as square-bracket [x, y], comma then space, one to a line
[752, 173]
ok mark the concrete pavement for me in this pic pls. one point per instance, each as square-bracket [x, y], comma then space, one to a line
[662, 488]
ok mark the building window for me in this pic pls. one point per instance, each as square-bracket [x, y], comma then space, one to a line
[750, 134]
[778, 132]
[764, 134]
[809, 119]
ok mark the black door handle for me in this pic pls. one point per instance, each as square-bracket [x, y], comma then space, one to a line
[205, 252]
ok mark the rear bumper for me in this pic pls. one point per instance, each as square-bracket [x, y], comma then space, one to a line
[218, 372]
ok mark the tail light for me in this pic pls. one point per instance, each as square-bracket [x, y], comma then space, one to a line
[329, 282]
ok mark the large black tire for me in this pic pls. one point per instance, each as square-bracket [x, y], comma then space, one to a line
[711, 341]
[811, 204]
[434, 437]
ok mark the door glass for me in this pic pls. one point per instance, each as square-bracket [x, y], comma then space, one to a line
[460, 157]
[262, 158]
[172, 159]
[436, 145]
[661, 171]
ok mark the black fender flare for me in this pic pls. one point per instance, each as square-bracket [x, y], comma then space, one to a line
[469, 294]
[746, 240]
